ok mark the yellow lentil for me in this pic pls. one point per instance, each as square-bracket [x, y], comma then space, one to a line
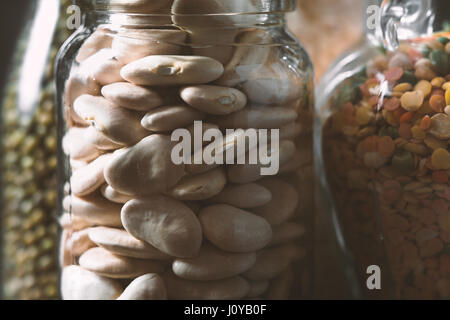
[412, 100]
[403, 87]
[437, 82]
[424, 86]
[440, 159]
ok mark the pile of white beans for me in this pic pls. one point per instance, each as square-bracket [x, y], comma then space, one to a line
[137, 226]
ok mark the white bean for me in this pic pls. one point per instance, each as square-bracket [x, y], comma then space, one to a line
[283, 204]
[79, 83]
[145, 168]
[118, 124]
[113, 195]
[270, 263]
[169, 118]
[76, 165]
[147, 287]
[102, 67]
[206, 43]
[99, 140]
[243, 196]
[214, 99]
[73, 223]
[223, 147]
[89, 178]
[165, 223]
[94, 209]
[233, 229]
[100, 39]
[120, 242]
[246, 173]
[287, 232]
[76, 146]
[133, 44]
[226, 289]
[200, 187]
[205, 19]
[78, 242]
[201, 14]
[160, 70]
[249, 57]
[80, 284]
[280, 287]
[276, 90]
[106, 264]
[257, 288]
[131, 96]
[213, 264]
[140, 6]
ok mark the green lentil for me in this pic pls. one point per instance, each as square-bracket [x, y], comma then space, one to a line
[403, 162]
[443, 40]
[426, 52]
[440, 61]
[409, 77]
[388, 131]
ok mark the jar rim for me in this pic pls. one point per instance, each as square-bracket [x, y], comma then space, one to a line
[251, 7]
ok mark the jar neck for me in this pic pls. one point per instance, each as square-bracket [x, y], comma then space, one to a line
[403, 19]
[95, 18]
[194, 6]
[187, 14]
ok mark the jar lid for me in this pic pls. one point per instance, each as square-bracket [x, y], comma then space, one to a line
[197, 7]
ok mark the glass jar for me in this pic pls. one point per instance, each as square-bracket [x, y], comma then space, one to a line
[29, 259]
[382, 141]
[186, 153]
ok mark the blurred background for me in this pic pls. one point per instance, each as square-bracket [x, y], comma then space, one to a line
[12, 19]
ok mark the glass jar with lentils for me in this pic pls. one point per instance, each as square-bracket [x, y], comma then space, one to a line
[384, 146]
